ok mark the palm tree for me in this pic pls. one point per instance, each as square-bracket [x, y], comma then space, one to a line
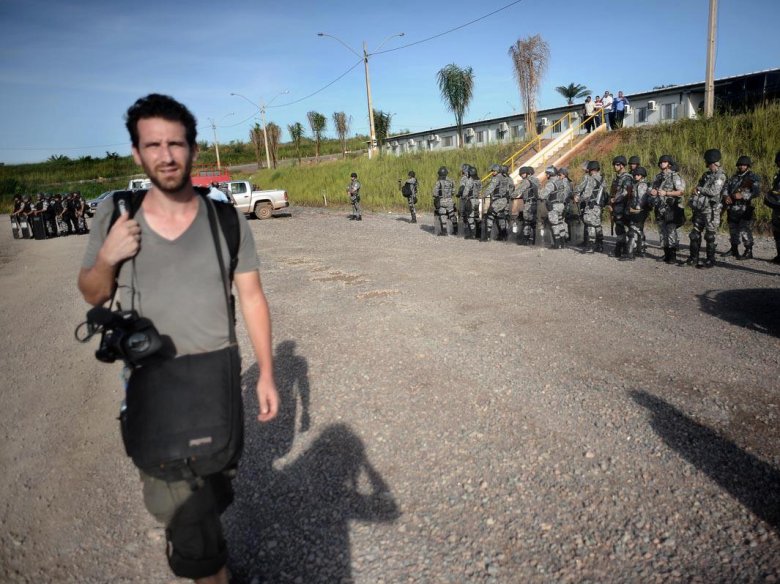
[573, 91]
[457, 88]
[382, 126]
[341, 122]
[529, 59]
[256, 137]
[317, 122]
[296, 133]
[274, 133]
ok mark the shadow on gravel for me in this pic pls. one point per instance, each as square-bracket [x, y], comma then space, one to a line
[741, 267]
[292, 524]
[751, 481]
[757, 309]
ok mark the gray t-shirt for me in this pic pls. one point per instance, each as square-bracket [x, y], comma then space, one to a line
[178, 283]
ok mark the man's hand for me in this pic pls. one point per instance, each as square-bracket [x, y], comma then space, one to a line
[267, 400]
[122, 242]
[729, 200]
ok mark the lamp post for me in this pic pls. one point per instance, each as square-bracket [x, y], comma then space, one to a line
[262, 119]
[365, 56]
[216, 142]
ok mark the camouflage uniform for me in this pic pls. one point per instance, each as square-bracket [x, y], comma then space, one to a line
[498, 191]
[528, 192]
[353, 190]
[554, 196]
[669, 213]
[590, 196]
[410, 185]
[637, 212]
[739, 212]
[620, 192]
[470, 203]
[706, 205]
[443, 204]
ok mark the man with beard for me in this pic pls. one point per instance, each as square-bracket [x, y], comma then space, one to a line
[163, 261]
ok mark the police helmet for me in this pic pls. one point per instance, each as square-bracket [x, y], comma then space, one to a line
[640, 171]
[353, 175]
[551, 171]
[621, 160]
[744, 160]
[712, 155]
[464, 168]
[495, 168]
[443, 171]
[634, 160]
[593, 165]
[411, 174]
[665, 158]
[528, 170]
[564, 171]
[473, 172]
[504, 169]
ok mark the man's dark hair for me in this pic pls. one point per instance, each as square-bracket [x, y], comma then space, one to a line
[156, 105]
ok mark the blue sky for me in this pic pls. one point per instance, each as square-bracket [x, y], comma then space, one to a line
[70, 69]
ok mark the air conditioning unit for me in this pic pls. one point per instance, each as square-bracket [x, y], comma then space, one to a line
[545, 122]
[470, 132]
[411, 142]
[503, 127]
[652, 106]
[433, 137]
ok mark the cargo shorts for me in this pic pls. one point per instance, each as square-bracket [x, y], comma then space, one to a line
[196, 546]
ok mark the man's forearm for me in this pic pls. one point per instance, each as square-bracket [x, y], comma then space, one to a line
[257, 318]
[96, 284]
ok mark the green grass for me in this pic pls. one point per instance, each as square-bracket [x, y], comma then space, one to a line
[755, 134]
[306, 184]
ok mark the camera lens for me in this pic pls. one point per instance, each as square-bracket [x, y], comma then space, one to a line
[138, 342]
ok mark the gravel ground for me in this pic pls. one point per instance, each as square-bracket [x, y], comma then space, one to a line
[454, 411]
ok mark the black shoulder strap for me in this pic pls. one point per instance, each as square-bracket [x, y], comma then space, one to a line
[130, 199]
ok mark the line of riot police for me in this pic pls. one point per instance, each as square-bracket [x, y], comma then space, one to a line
[629, 199]
[48, 216]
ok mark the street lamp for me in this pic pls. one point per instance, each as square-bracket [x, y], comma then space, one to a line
[262, 118]
[216, 142]
[365, 56]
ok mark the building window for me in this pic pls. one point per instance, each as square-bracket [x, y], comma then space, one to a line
[500, 134]
[481, 136]
[448, 141]
[669, 111]
[516, 132]
[641, 115]
[468, 138]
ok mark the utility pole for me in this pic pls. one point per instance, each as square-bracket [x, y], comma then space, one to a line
[372, 137]
[265, 138]
[709, 79]
[216, 142]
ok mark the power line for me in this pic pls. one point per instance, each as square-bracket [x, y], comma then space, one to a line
[448, 31]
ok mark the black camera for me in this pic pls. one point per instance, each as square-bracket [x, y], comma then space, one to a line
[126, 335]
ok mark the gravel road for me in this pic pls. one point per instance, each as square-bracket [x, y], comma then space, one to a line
[454, 411]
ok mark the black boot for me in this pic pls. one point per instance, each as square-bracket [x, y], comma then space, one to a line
[672, 255]
[599, 244]
[484, 234]
[467, 233]
[454, 228]
[561, 243]
[618, 251]
[414, 217]
[734, 251]
[748, 255]
[667, 255]
[693, 258]
[710, 261]
[502, 234]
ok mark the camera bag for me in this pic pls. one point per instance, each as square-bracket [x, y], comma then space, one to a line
[184, 416]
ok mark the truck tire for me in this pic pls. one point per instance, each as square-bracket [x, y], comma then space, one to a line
[263, 209]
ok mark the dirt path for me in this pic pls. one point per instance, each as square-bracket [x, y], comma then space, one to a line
[454, 411]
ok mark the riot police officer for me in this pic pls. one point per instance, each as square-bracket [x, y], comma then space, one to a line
[443, 205]
[409, 191]
[634, 162]
[667, 193]
[353, 190]
[772, 201]
[740, 191]
[589, 195]
[637, 211]
[498, 191]
[470, 202]
[527, 192]
[619, 194]
[706, 205]
[554, 196]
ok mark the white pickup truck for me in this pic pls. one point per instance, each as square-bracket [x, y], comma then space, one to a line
[251, 200]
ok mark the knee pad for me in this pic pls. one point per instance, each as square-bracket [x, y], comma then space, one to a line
[695, 236]
[709, 237]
